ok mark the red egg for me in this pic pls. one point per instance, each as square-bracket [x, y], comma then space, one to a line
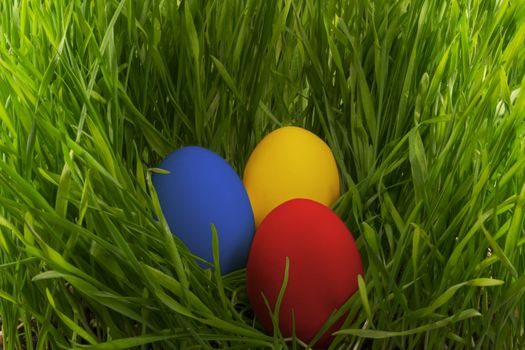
[323, 266]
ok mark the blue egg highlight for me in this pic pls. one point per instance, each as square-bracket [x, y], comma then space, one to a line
[203, 189]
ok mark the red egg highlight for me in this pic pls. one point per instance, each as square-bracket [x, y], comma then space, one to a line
[324, 263]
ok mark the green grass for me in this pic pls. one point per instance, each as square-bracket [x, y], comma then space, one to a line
[422, 103]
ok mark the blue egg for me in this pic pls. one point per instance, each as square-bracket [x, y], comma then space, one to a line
[203, 189]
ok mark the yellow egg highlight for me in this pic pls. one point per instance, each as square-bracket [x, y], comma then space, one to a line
[290, 162]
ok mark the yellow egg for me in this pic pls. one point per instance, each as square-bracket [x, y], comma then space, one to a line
[290, 162]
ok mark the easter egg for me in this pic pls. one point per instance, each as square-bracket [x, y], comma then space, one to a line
[290, 162]
[203, 189]
[324, 263]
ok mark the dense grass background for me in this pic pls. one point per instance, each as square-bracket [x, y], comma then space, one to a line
[421, 101]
